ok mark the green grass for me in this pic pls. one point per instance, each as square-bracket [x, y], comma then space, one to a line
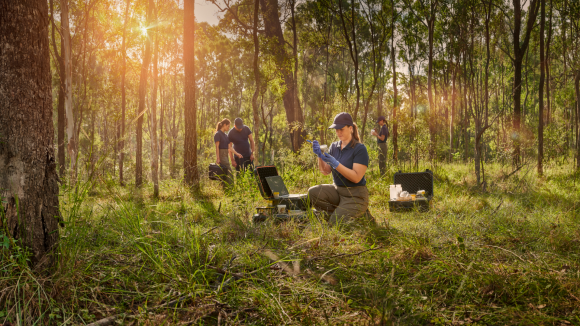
[509, 255]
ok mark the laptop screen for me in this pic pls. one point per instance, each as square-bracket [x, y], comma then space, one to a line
[276, 184]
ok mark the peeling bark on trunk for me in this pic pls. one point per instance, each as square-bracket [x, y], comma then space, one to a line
[28, 177]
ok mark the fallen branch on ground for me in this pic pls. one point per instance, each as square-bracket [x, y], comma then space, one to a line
[511, 252]
[496, 209]
[513, 172]
[208, 231]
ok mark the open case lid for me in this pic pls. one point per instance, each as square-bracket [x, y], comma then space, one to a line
[276, 184]
[415, 181]
[261, 173]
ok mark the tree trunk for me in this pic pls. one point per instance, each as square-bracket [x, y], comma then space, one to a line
[28, 177]
[452, 115]
[465, 115]
[273, 30]
[92, 153]
[547, 69]
[481, 114]
[395, 95]
[161, 121]
[66, 58]
[153, 117]
[432, 111]
[61, 116]
[141, 108]
[123, 99]
[190, 141]
[255, 112]
[173, 141]
[295, 137]
[577, 91]
[519, 52]
[541, 89]
[61, 113]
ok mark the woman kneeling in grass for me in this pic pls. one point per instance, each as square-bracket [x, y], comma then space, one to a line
[347, 199]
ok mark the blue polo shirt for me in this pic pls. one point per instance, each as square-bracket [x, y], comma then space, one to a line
[347, 157]
[384, 131]
[222, 138]
[240, 140]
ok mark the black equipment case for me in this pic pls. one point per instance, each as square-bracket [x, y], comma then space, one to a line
[413, 182]
[292, 201]
[215, 172]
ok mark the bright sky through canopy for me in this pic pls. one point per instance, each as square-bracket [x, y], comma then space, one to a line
[205, 11]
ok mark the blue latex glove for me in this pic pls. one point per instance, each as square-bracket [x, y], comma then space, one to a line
[316, 148]
[330, 160]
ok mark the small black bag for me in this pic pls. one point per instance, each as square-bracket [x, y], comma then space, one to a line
[215, 172]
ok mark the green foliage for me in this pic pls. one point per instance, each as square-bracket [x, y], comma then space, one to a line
[508, 255]
[504, 252]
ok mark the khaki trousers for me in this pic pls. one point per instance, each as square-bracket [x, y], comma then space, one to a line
[225, 165]
[343, 204]
[383, 158]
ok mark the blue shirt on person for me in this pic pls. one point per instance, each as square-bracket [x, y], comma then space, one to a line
[241, 141]
[222, 138]
[384, 131]
[347, 157]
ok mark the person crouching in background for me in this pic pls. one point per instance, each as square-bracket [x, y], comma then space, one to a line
[347, 199]
[382, 136]
[223, 147]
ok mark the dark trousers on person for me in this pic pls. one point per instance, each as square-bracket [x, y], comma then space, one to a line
[383, 158]
[243, 163]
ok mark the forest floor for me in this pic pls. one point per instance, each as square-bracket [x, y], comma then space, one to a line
[507, 255]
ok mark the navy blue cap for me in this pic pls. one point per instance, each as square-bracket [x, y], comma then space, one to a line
[382, 117]
[341, 120]
[239, 122]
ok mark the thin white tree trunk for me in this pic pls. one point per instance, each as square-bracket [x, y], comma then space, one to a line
[70, 121]
[153, 117]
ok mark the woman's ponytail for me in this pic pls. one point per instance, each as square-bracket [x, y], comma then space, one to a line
[222, 123]
[355, 135]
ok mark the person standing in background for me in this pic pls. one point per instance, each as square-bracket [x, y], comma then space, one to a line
[382, 136]
[241, 138]
[223, 147]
